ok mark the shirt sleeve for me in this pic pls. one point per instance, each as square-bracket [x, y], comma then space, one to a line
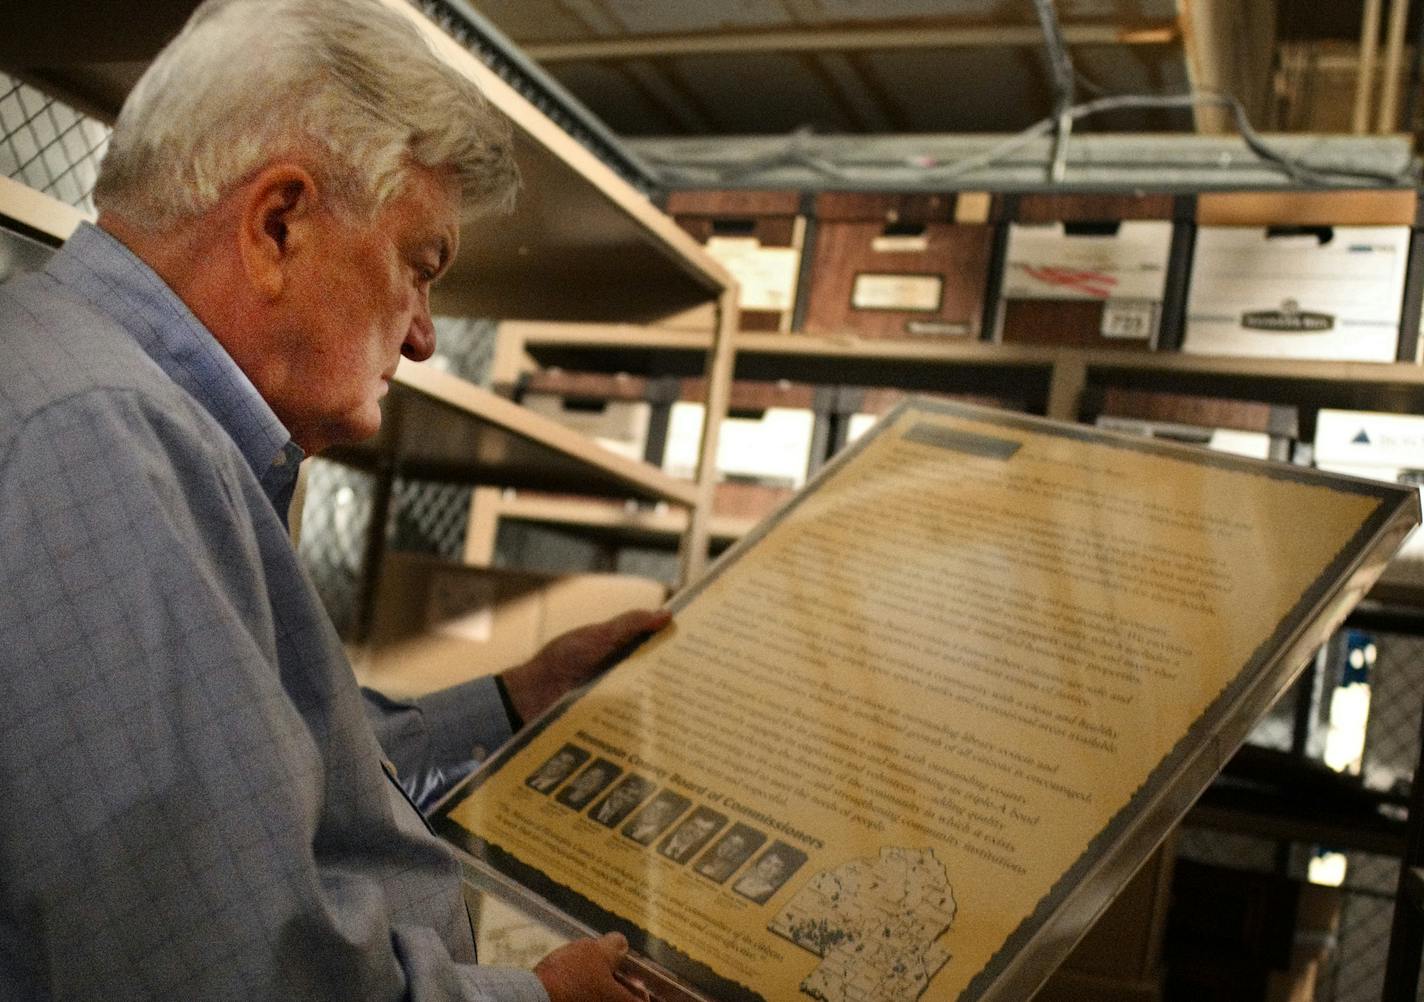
[437, 740]
[182, 818]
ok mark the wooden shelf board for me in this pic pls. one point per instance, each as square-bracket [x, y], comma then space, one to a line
[548, 338]
[437, 426]
[581, 243]
[660, 525]
[36, 211]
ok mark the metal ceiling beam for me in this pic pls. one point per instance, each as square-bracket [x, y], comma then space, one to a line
[846, 40]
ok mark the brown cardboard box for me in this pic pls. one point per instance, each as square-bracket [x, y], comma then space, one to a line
[758, 236]
[900, 266]
[1366, 207]
[1086, 270]
[437, 624]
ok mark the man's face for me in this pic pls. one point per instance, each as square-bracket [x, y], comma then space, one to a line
[359, 303]
[622, 796]
[770, 868]
[731, 847]
[562, 765]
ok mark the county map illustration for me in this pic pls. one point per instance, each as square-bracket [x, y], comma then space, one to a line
[877, 925]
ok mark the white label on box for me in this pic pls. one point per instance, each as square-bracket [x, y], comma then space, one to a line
[773, 449]
[915, 293]
[766, 275]
[1252, 444]
[1130, 319]
[1044, 261]
[858, 425]
[903, 243]
[461, 607]
[1369, 438]
[1296, 296]
[621, 426]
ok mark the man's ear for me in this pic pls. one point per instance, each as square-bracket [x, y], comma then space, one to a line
[274, 227]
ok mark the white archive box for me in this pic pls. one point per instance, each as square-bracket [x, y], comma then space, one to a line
[619, 426]
[1376, 445]
[1123, 268]
[1320, 292]
[765, 438]
[765, 275]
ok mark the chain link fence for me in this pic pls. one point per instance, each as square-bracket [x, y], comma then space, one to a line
[1355, 959]
[49, 146]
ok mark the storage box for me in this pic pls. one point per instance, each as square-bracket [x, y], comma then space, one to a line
[772, 439]
[758, 236]
[854, 409]
[1377, 446]
[766, 436]
[613, 410]
[1086, 270]
[900, 266]
[437, 624]
[1300, 275]
[1244, 427]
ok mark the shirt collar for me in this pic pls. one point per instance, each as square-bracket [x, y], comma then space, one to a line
[115, 281]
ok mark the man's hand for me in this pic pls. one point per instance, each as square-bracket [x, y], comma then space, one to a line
[570, 660]
[583, 970]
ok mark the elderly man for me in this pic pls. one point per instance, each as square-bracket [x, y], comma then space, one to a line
[195, 803]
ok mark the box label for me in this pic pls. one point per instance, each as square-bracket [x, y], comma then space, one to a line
[766, 275]
[1129, 319]
[912, 293]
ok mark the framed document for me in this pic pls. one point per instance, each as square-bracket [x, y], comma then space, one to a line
[909, 738]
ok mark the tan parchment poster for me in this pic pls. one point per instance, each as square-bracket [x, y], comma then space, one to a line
[886, 742]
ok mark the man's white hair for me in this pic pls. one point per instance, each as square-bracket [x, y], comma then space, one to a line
[347, 87]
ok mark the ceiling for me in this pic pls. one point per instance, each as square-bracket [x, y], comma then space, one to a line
[768, 67]
[757, 67]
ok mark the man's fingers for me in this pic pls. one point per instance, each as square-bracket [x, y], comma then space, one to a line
[614, 946]
[633, 624]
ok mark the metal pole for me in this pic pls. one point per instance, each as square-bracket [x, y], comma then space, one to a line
[1393, 57]
[1365, 75]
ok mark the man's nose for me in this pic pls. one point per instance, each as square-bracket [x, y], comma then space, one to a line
[419, 341]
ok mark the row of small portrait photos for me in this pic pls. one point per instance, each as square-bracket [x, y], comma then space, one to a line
[644, 814]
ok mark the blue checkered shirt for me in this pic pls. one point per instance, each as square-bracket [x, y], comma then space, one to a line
[192, 798]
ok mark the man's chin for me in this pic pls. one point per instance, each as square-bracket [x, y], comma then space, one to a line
[352, 430]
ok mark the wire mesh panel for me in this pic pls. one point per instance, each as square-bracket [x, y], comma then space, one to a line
[1392, 736]
[429, 518]
[48, 146]
[1366, 913]
[336, 521]
[464, 346]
